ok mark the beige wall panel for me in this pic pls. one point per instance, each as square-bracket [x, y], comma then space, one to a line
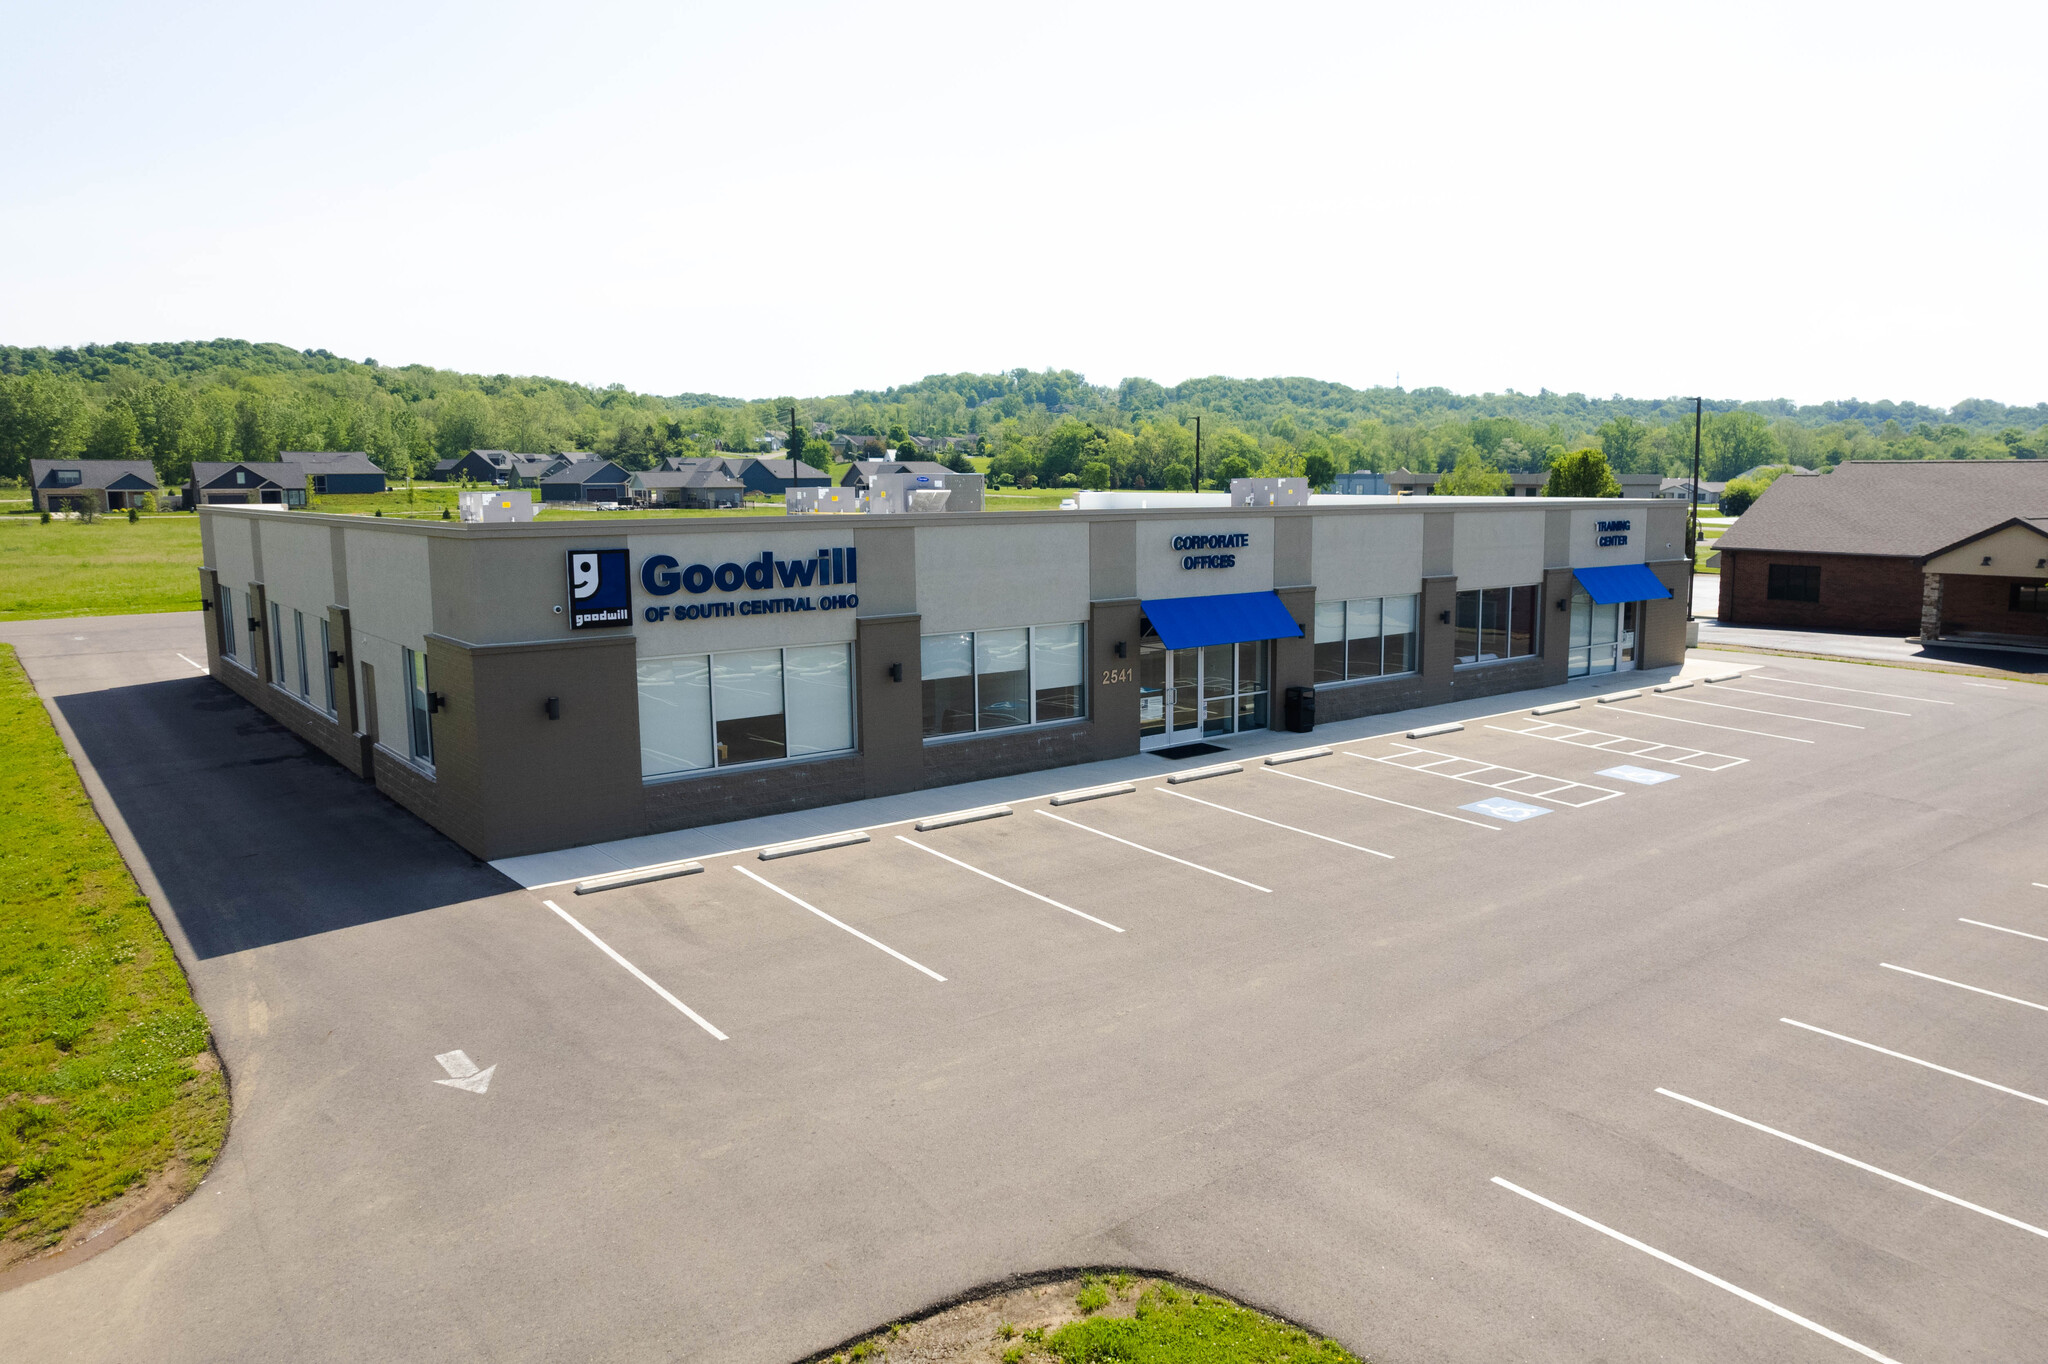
[1160, 568]
[1586, 549]
[2015, 552]
[298, 558]
[1497, 548]
[1366, 556]
[994, 577]
[231, 552]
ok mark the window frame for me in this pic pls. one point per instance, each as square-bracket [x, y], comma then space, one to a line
[419, 719]
[1783, 587]
[782, 652]
[1503, 601]
[1032, 686]
[299, 633]
[326, 660]
[224, 607]
[1345, 640]
[2027, 598]
[276, 632]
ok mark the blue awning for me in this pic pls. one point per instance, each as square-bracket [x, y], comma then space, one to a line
[1234, 618]
[1621, 582]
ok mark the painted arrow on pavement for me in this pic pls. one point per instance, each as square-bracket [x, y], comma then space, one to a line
[462, 1072]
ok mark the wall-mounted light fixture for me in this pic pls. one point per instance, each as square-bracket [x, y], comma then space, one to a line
[1987, 561]
[1119, 648]
[895, 672]
[553, 707]
[1564, 604]
[334, 659]
[1444, 616]
[436, 701]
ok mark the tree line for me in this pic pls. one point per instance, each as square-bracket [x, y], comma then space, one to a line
[174, 403]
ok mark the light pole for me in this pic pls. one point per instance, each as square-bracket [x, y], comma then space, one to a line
[1692, 529]
[1198, 454]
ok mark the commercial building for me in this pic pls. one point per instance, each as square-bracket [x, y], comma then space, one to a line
[1940, 550]
[73, 485]
[527, 687]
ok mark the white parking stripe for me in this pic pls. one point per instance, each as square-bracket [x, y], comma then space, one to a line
[871, 942]
[1746, 690]
[200, 666]
[1888, 695]
[1996, 929]
[1154, 851]
[1861, 1165]
[1697, 1273]
[1384, 801]
[1274, 822]
[1752, 710]
[1001, 882]
[1707, 724]
[1886, 1051]
[1605, 742]
[638, 974]
[1974, 989]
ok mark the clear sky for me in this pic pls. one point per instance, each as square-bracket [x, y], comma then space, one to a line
[1806, 201]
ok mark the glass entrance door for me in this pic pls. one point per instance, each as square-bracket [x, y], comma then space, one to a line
[1186, 694]
[1603, 636]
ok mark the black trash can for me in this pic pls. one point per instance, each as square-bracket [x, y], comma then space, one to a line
[1301, 709]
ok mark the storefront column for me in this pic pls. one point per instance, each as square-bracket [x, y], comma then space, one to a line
[1294, 660]
[1439, 640]
[1930, 605]
[891, 710]
[1113, 677]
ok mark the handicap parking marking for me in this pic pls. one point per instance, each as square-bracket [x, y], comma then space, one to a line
[1641, 776]
[1500, 807]
[1623, 745]
[1497, 776]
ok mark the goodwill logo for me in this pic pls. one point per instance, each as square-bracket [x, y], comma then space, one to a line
[600, 589]
[662, 576]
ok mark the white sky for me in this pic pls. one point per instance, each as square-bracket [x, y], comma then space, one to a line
[1808, 201]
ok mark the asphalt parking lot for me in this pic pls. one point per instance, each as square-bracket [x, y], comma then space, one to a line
[1702, 1024]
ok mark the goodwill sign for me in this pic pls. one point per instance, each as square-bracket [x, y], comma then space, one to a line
[600, 589]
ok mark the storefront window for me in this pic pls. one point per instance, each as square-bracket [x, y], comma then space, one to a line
[701, 711]
[948, 668]
[299, 636]
[326, 672]
[419, 723]
[1495, 623]
[276, 645]
[1001, 679]
[1363, 638]
[224, 607]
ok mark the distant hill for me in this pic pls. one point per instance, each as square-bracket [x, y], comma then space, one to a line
[174, 402]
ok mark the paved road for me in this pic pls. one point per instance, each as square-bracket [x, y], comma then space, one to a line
[1349, 995]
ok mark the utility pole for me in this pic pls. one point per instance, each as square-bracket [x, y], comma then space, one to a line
[1198, 454]
[1692, 530]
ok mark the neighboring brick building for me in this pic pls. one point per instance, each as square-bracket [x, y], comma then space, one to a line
[1937, 549]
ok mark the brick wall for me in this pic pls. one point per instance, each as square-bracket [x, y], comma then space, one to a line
[1857, 592]
[1974, 602]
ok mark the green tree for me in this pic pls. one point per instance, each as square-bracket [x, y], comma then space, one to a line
[1319, 469]
[116, 435]
[1626, 443]
[957, 462]
[1095, 474]
[1736, 441]
[41, 417]
[1229, 467]
[1582, 473]
[1176, 478]
[1740, 495]
[1472, 476]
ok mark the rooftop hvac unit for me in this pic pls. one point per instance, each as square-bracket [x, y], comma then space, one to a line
[495, 506]
[1269, 492]
[816, 501]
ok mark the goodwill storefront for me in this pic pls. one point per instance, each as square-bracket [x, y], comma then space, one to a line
[533, 686]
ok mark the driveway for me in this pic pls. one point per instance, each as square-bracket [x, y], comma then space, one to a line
[1401, 1042]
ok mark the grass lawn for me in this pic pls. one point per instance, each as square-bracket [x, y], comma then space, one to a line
[1096, 1319]
[107, 1079]
[108, 567]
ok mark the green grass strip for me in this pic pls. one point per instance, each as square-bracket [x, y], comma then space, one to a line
[106, 1078]
[1176, 1327]
[108, 567]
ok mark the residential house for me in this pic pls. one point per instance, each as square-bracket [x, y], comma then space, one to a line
[247, 482]
[1519, 485]
[697, 488]
[1680, 489]
[337, 472]
[777, 476]
[98, 484]
[863, 471]
[476, 466]
[590, 479]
